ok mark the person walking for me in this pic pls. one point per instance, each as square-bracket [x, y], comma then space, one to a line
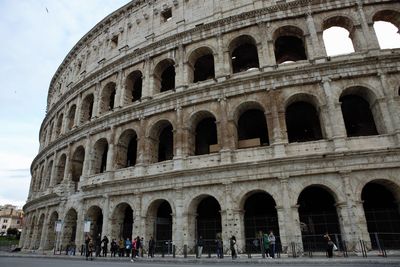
[219, 245]
[272, 241]
[104, 246]
[90, 250]
[233, 247]
[121, 247]
[128, 247]
[97, 245]
[87, 241]
[200, 244]
[113, 248]
[266, 245]
[152, 244]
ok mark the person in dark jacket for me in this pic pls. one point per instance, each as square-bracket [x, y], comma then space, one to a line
[104, 246]
[152, 245]
[200, 244]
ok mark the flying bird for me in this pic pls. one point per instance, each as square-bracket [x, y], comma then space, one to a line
[47, 10]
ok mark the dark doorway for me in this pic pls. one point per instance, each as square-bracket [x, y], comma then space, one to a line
[168, 79]
[245, 57]
[252, 124]
[260, 217]
[302, 123]
[131, 153]
[163, 227]
[318, 215]
[289, 48]
[382, 215]
[206, 135]
[204, 68]
[77, 165]
[166, 144]
[357, 116]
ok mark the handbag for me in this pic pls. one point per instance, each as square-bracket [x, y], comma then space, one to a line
[334, 247]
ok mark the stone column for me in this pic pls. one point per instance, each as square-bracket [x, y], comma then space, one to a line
[353, 222]
[317, 46]
[278, 128]
[106, 230]
[226, 132]
[181, 77]
[88, 157]
[111, 152]
[222, 71]
[68, 159]
[77, 119]
[53, 170]
[142, 157]
[139, 217]
[335, 117]
[179, 225]
[120, 92]
[147, 83]
[369, 36]
[80, 220]
[179, 140]
[96, 101]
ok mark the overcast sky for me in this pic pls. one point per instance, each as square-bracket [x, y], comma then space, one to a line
[36, 35]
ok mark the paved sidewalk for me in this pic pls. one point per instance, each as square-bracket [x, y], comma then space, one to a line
[242, 259]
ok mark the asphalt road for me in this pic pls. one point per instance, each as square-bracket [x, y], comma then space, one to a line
[49, 262]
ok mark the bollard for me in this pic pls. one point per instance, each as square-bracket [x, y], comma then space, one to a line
[249, 254]
[209, 254]
[162, 251]
[185, 251]
[173, 251]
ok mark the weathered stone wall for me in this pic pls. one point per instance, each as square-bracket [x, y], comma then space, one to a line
[340, 164]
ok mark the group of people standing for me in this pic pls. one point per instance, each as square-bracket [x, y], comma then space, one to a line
[121, 247]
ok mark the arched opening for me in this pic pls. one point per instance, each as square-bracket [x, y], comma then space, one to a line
[134, 83]
[60, 169]
[164, 75]
[127, 150]
[260, 217]
[100, 156]
[165, 144]
[39, 228]
[206, 136]
[338, 36]
[387, 28]
[71, 117]
[159, 216]
[39, 185]
[289, 45]
[50, 133]
[382, 213]
[208, 222]
[252, 129]
[122, 222]
[244, 54]
[318, 215]
[204, 68]
[302, 122]
[357, 116]
[51, 232]
[108, 98]
[87, 108]
[69, 231]
[77, 165]
[59, 125]
[95, 216]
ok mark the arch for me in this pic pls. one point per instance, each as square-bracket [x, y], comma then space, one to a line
[252, 129]
[318, 215]
[95, 215]
[122, 221]
[302, 122]
[50, 133]
[107, 99]
[100, 153]
[260, 217]
[381, 200]
[30, 233]
[59, 125]
[127, 149]
[201, 64]
[339, 30]
[60, 169]
[204, 133]
[69, 229]
[358, 117]
[77, 162]
[243, 53]
[159, 220]
[390, 21]
[71, 117]
[51, 232]
[206, 221]
[161, 141]
[39, 182]
[289, 44]
[133, 87]
[164, 75]
[87, 108]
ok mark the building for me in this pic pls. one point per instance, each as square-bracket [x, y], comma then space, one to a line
[177, 118]
[10, 217]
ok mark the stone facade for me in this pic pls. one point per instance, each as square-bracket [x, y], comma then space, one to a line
[94, 119]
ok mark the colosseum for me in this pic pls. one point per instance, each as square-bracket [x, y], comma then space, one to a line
[185, 118]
